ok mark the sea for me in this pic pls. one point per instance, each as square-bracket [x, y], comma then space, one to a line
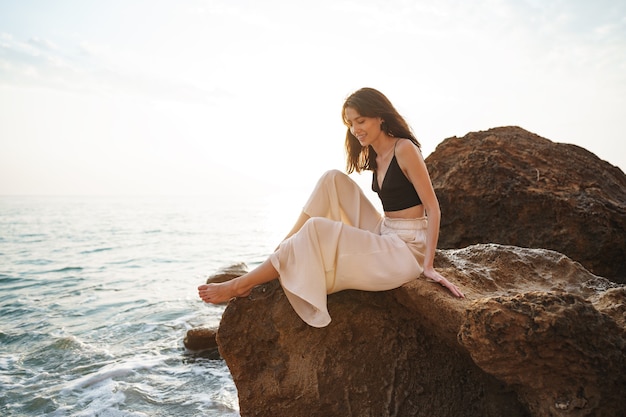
[97, 294]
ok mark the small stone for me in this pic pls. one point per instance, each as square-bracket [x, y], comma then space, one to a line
[228, 273]
[200, 339]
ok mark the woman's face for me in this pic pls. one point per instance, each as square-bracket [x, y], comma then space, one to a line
[365, 129]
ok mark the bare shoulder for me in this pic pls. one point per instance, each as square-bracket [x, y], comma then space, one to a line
[407, 151]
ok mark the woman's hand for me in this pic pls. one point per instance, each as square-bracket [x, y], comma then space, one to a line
[435, 276]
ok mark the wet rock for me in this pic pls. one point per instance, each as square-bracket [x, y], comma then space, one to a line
[201, 339]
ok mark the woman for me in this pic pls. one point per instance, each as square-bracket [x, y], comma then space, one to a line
[340, 241]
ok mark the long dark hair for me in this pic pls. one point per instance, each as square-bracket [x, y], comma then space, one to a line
[369, 102]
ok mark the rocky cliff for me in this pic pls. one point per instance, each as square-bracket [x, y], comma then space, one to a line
[538, 334]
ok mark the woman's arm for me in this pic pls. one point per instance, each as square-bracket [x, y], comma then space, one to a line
[412, 164]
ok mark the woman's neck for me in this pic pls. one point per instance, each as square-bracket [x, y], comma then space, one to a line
[384, 146]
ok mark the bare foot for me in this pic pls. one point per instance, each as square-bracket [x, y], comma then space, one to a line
[218, 293]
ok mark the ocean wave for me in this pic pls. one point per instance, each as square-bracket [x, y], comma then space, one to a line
[117, 370]
[34, 261]
[97, 250]
[135, 262]
[67, 269]
[93, 318]
[7, 279]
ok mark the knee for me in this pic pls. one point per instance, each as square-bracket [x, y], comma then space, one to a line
[316, 223]
[332, 175]
[335, 176]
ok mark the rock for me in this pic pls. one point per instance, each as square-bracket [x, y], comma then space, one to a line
[200, 339]
[228, 273]
[613, 303]
[537, 335]
[527, 341]
[510, 186]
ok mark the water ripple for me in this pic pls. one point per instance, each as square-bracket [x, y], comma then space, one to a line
[96, 295]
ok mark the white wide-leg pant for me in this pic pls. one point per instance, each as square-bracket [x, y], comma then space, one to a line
[346, 244]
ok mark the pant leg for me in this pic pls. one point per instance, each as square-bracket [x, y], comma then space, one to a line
[337, 197]
[327, 256]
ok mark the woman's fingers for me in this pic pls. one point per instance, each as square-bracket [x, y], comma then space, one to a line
[453, 288]
[456, 291]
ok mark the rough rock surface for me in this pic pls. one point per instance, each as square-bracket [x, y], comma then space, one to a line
[201, 339]
[537, 335]
[509, 186]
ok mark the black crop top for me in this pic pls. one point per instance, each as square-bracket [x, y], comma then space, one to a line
[397, 192]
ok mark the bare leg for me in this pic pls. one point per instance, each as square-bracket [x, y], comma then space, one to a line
[238, 287]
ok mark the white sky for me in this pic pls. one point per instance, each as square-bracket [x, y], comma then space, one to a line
[203, 96]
